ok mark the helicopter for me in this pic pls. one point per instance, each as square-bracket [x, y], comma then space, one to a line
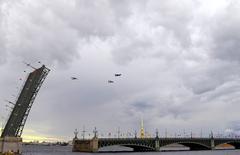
[110, 81]
[118, 74]
[74, 78]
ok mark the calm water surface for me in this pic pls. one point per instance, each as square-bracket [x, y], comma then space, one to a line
[66, 150]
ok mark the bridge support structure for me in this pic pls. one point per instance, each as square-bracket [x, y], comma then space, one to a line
[157, 145]
[212, 144]
[11, 144]
[85, 145]
[152, 144]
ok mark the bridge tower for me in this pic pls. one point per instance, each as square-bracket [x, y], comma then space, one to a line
[142, 133]
[17, 119]
[157, 142]
[212, 141]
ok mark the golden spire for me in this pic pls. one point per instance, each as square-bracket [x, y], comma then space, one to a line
[142, 134]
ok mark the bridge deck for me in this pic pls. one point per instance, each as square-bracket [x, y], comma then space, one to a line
[154, 144]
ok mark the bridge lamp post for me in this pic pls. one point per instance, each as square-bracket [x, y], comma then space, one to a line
[118, 132]
[76, 133]
[131, 135]
[201, 133]
[166, 133]
[135, 134]
[95, 132]
[157, 133]
[128, 134]
[83, 132]
[211, 134]
[109, 135]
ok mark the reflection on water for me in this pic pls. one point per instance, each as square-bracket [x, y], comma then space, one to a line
[66, 150]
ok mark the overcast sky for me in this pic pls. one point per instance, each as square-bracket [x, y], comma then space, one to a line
[180, 64]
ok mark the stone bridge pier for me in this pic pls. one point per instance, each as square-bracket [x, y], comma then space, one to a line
[85, 145]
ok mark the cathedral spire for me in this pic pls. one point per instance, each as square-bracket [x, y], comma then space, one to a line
[142, 133]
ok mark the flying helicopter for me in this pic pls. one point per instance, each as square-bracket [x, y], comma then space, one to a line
[74, 78]
[110, 81]
[118, 74]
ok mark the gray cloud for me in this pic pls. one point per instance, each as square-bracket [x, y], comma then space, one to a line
[2, 35]
[176, 71]
[176, 20]
[39, 36]
[81, 17]
[156, 30]
[225, 33]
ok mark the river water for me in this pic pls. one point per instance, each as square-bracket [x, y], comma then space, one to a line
[66, 150]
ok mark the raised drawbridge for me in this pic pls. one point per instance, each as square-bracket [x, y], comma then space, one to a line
[21, 109]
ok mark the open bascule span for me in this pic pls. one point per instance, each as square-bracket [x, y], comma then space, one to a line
[11, 140]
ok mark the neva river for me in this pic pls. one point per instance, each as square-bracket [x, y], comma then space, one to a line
[66, 150]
